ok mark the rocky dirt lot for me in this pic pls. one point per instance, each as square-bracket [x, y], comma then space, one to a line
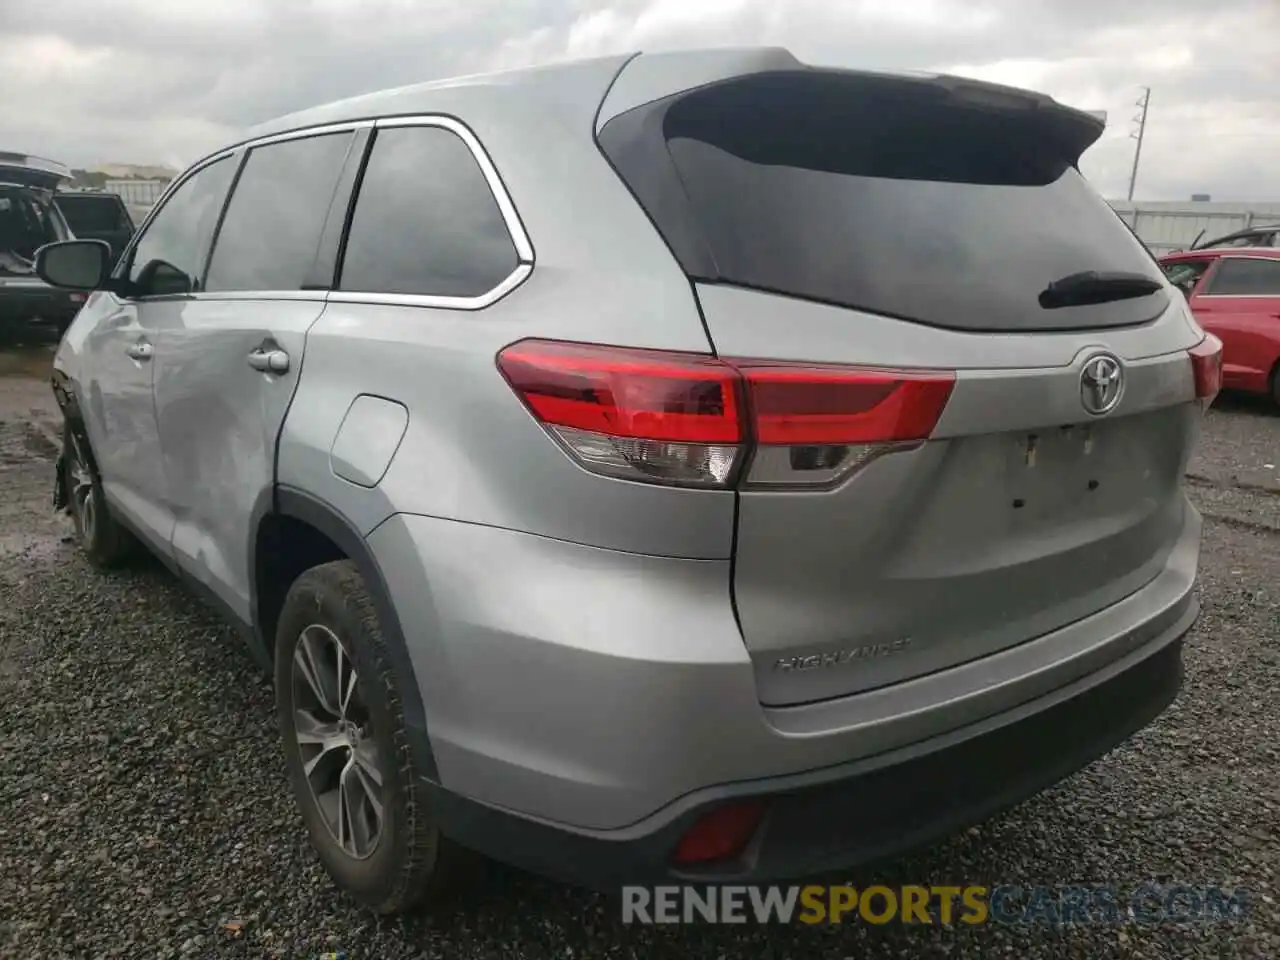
[144, 812]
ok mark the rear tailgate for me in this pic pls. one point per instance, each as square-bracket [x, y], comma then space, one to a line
[1020, 515]
[34, 172]
[905, 223]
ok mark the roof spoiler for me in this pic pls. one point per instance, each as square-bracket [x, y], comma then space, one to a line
[648, 77]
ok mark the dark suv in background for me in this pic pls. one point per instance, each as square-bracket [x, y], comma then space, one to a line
[28, 220]
[96, 215]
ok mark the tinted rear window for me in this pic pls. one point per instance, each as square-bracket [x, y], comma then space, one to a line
[271, 231]
[881, 197]
[92, 213]
[425, 220]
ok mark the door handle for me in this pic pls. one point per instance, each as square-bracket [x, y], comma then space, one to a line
[269, 361]
[139, 351]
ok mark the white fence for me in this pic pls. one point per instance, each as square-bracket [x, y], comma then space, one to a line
[1174, 225]
[139, 193]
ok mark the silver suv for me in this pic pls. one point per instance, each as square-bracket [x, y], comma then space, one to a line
[695, 465]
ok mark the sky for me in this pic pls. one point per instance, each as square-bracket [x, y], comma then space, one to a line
[142, 81]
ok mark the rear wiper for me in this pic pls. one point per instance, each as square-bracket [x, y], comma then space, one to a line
[1093, 286]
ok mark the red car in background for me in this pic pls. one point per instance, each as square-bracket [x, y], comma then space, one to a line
[1234, 293]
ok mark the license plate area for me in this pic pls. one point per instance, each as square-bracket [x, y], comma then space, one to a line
[1056, 471]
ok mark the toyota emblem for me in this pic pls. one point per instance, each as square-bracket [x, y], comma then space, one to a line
[1101, 383]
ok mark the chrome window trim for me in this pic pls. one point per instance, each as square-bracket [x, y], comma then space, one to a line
[317, 295]
[305, 132]
[513, 280]
[506, 206]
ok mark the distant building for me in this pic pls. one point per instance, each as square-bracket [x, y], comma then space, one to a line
[123, 171]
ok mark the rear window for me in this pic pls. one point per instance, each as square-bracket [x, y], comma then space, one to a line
[878, 195]
[92, 213]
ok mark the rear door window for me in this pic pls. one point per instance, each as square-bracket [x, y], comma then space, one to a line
[877, 195]
[271, 231]
[1245, 277]
[426, 221]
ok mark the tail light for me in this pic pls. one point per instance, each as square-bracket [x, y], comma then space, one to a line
[694, 420]
[721, 833]
[635, 414]
[1206, 368]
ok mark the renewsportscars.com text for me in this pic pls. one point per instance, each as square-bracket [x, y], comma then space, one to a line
[935, 904]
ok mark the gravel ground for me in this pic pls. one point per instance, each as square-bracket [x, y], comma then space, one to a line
[144, 810]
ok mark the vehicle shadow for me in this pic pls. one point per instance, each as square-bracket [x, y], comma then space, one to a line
[26, 355]
[1247, 403]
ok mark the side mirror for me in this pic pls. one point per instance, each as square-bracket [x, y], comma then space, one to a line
[74, 264]
[159, 278]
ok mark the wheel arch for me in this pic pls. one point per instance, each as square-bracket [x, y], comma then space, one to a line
[67, 395]
[280, 510]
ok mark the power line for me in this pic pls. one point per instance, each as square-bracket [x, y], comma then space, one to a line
[1141, 121]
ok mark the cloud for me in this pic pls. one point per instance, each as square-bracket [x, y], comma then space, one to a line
[126, 80]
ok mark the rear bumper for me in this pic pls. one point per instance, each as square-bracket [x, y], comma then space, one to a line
[609, 694]
[861, 812]
[22, 303]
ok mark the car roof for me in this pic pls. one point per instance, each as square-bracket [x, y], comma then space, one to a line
[472, 92]
[586, 88]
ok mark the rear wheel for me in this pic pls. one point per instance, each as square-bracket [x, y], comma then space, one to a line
[1275, 384]
[106, 543]
[367, 812]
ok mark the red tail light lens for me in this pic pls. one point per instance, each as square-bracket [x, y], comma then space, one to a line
[837, 405]
[688, 419]
[721, 833]
[1206, 367]
[634, 414]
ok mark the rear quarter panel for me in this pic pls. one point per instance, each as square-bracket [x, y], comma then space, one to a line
[471, 452]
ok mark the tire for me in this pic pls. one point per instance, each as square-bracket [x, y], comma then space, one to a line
[389, 864]
[105, 542]
[1275, 386]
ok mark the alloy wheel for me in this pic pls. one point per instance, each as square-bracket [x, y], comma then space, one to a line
[83, 502]
[331, 724]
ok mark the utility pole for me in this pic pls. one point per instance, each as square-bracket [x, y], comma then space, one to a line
[1141, 121]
